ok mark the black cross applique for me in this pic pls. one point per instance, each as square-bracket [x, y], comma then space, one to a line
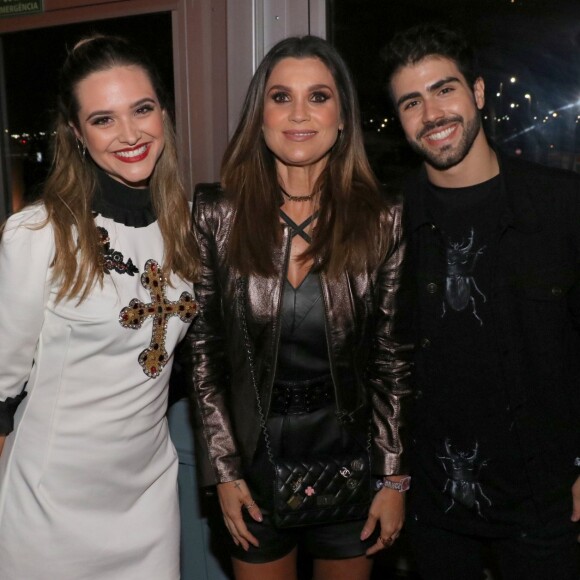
[153, 358]
[112, 259]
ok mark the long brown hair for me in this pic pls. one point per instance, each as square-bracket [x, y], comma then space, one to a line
[69, 188]
[348, 234]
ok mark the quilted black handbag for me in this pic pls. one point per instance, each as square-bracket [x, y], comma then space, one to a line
[321, 490]
[314, 490]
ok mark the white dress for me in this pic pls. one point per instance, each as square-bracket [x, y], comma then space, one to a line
[88, 477]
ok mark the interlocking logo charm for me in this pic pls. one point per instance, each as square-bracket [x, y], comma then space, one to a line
[345, 472]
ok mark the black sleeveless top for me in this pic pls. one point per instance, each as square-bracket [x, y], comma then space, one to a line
[303, 351]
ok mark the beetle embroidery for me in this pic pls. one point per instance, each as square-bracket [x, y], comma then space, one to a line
[462, 469]
[461, 259]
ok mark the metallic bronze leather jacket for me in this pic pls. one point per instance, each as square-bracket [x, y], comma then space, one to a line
[365, 335]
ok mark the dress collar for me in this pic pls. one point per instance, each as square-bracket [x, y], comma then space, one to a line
[125, 205]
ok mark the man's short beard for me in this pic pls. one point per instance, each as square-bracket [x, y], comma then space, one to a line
[450, 156]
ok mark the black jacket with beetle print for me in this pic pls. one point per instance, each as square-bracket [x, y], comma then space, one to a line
[535, 305]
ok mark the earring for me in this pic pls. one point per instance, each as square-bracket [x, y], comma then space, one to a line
[82, 148]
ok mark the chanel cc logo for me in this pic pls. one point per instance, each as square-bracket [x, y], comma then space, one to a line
[345, 472]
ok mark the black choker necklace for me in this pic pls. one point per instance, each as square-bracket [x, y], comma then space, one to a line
[297, 197]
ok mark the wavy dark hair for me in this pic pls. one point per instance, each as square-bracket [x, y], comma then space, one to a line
[348, 234]
[69, 188]
[412, 45]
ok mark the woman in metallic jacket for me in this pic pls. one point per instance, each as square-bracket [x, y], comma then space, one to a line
[299, 232]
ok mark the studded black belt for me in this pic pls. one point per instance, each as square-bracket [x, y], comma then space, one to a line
[299, 397]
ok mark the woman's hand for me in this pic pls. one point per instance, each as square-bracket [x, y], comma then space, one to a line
[2, 439]
[576, 502]
[235, 496]
[387, 508]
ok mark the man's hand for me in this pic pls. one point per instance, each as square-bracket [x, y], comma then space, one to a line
[576, 502]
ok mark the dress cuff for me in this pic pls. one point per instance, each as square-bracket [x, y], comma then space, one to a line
[7, 410]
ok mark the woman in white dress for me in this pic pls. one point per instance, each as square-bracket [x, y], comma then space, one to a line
[96, 285]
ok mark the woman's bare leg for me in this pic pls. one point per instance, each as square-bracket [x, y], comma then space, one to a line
[348, 569]
[282, 569]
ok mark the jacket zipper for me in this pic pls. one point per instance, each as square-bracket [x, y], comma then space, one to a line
[278, 313]
[323, 285]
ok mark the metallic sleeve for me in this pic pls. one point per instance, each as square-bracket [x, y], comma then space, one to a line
[216, 449]
[390, 364]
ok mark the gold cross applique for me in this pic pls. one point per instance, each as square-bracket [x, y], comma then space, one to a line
[153, 359]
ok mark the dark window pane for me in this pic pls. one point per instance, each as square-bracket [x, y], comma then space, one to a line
[534, 42]
[32, 60]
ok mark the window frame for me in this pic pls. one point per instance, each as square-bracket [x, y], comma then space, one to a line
[200, 73]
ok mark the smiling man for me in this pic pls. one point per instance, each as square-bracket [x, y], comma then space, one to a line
[494, 267]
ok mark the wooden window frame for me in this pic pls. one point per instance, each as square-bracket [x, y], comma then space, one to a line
[199, 61]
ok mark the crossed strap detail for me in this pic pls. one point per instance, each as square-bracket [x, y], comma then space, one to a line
[299, 229]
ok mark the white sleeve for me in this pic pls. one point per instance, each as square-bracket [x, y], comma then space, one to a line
[26, 254]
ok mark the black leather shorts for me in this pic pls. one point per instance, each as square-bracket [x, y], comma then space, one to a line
[325, 542]
[297, 436]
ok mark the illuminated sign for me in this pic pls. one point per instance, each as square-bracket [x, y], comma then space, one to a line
[20, 7]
